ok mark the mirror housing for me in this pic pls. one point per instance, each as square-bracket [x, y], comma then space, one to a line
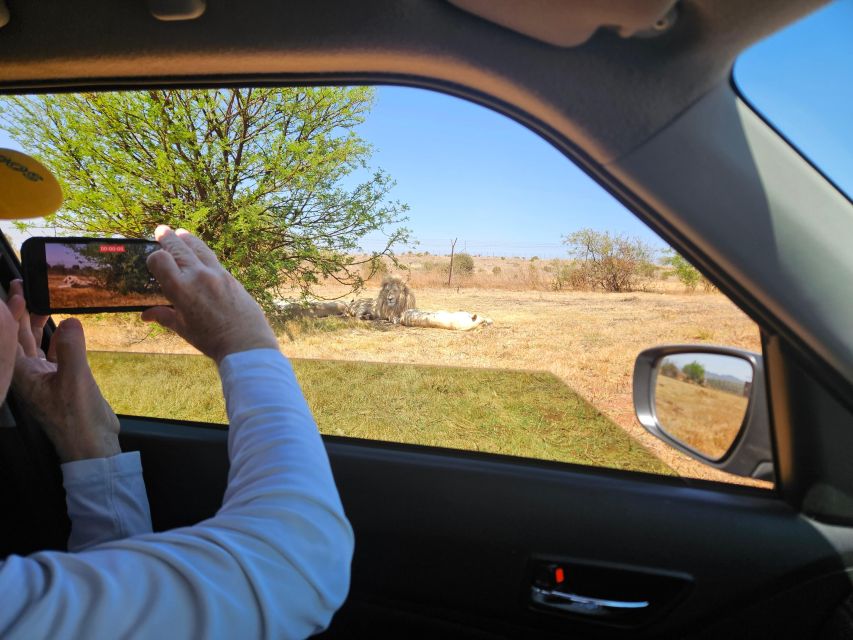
[751, 453]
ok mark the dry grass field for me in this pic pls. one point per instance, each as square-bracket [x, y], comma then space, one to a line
[705, 419]
[588, 341]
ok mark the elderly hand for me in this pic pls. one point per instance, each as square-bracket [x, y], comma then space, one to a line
[59, 389]
[212, 311]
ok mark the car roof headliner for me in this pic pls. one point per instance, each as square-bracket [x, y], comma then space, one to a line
[607, 95]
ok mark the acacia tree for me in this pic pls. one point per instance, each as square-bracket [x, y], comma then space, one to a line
[612, 262]
[694, 372]
[275, 180]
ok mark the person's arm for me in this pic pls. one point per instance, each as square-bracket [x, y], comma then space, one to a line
[104, 489]
[106, 499]
[273, 562]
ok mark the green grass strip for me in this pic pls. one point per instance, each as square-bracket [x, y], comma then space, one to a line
[520, 413]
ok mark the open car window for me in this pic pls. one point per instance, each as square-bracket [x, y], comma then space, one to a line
[529, 290]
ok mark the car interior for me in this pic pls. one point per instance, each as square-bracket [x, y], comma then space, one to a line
[457, 544]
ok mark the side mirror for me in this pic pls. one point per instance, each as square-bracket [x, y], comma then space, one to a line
[708, 402]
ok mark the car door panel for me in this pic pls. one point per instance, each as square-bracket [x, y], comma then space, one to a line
[452, 538]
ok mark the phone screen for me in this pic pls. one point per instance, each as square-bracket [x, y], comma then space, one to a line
[88, 274]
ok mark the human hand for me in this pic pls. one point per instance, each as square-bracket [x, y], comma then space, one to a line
[59, 389]
[212, 311]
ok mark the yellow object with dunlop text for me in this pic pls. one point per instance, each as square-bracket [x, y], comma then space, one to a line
[27, 188]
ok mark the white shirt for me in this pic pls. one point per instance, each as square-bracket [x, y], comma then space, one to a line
[274, 562]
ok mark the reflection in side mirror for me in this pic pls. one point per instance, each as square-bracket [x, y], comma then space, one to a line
[708, 402]
[701, 400]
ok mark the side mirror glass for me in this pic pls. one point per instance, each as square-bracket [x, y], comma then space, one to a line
[708, 402]
[701, 400]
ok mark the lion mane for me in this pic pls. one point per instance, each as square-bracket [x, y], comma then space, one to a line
[393, 299]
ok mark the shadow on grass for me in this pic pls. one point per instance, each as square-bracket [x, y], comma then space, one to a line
[520, 413]
[295, 328]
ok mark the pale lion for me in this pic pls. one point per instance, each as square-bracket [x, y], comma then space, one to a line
[455, 320]
[73, 282]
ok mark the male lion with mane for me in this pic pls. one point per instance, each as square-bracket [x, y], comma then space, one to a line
[395, 303]
[393, 299]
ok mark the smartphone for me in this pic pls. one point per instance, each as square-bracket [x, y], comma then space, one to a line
[88, 275]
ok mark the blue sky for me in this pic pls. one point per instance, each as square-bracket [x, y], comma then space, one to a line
[470, 173]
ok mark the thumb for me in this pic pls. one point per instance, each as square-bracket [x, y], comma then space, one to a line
[164, 316]
[68, 346]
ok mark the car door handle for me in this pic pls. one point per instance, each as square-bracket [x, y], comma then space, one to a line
[584, 605]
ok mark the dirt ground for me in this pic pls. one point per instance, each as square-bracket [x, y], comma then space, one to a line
[588, 340]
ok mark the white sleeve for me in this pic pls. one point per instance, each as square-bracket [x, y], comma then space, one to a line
[274, 562]
[106, 499]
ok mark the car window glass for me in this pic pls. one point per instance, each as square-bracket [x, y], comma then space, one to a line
[315, 197]
[801, 80]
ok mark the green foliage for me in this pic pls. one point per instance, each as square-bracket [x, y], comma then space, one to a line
[686, 273]
[694, 372]
[376, 267]
[612, 262]
[463, 264]
[275, 180]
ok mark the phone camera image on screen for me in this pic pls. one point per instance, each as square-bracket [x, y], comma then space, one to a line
[101, 274]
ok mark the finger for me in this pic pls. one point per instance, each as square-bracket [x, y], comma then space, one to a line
[16, 287]
[164, 316]
[70, 347]
[51, 348]
[165, 270]
[169, 241]
[25, 337]
[37, 324]
[21, 361]
[204, 253]
[18, 308]
[16, 303]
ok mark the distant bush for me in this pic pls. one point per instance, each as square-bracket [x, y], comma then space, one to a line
[694, 372]
[436, 265]
[669, 369]
[686, 273]
[463, 264]
[496, 271]
[612, 262]
[567, 276]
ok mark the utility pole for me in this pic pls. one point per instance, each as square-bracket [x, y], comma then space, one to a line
[450, 270]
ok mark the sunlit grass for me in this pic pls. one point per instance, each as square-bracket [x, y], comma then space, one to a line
[522, 413]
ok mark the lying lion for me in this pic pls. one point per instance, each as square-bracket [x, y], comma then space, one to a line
[395, 303]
